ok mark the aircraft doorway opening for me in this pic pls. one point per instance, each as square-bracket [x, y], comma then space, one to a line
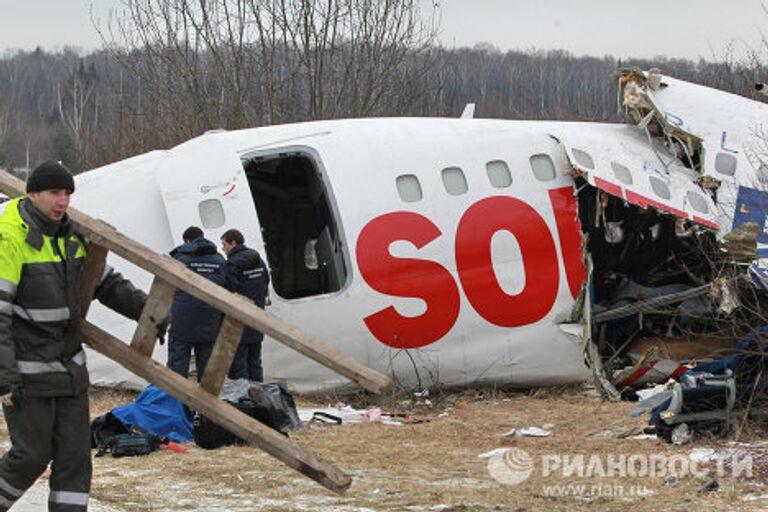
[301, 235]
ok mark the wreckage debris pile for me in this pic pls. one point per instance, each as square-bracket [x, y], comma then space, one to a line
[672, 308]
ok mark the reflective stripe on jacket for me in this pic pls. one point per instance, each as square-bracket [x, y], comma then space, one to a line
[40, 310]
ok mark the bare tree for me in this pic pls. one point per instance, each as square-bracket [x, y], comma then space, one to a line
[78, 108]
[236, 63]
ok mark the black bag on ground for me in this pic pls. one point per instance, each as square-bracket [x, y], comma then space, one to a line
[105, 428]
[271, 404]
[135, 443]
[109, 435]
[210, 436]
[275, 404]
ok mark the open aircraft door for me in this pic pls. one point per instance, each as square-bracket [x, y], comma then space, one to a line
[208, 189]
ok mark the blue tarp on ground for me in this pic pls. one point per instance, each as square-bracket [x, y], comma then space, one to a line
[159, 413]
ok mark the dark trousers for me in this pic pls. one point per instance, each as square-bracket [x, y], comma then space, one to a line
[180, 353]
[43, 430]
[247, 363]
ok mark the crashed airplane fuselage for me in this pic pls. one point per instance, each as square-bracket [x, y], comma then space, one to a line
[450, 251]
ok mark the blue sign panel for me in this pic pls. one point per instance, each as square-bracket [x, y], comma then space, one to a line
[752, 206]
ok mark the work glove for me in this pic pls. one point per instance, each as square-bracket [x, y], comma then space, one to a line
[14, 397]
[162, 328]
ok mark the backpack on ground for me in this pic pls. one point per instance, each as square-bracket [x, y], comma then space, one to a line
[110, 435]
[104, 428]
[271, 404]
[134, 443]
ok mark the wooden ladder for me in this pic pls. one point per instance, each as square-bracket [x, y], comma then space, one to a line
[169, 276]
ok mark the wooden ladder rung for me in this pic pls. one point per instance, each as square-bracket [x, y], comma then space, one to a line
[222, 355]
[95, 261]
[156, 309]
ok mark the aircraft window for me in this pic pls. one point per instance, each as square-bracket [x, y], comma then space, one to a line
[698, 202]
[660, 188]
[498, 173]
[454, 181]
[622, 173]
[211, 213]
[543, 167]
[409, 188]
[583, 158]
[725, 163]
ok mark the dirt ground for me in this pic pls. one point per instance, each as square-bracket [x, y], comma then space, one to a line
[432, 464]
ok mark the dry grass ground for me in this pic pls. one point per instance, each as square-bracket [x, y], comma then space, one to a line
[432, 465]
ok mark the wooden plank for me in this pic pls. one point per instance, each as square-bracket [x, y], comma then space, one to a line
[222, 355]
[223, 414]
[11, 186]
[228, 303]
[95, 261]
[156, 309]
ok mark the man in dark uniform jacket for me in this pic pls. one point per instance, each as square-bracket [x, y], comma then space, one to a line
[43, 375]
[247, 275]
[195, 324]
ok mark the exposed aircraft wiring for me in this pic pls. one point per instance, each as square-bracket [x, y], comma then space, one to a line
[632, 99]
[673, 138]
[644, 127]
[631, 102]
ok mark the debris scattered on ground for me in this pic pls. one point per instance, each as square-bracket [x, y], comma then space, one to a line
[418, 466]
[618, 433]
[681, 434]
[343, 414]
[645, 394]
[528, 432]
[493, 453]
[702, 454]
[643, 436]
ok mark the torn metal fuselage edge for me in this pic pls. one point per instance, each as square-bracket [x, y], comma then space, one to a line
[657, 183]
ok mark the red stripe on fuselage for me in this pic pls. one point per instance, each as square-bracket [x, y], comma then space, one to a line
[645, 202]
[705, 222]
[609, 187]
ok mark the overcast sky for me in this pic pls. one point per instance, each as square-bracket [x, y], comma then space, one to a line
[647, 28]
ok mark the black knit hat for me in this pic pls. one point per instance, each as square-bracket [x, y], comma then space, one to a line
[50, 175]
